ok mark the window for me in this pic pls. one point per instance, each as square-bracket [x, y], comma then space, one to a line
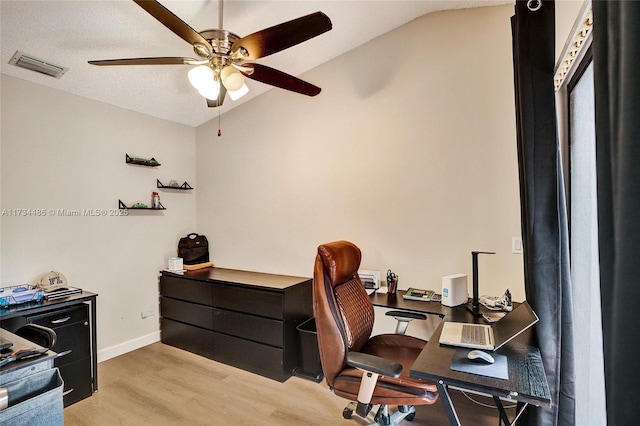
[576, 117]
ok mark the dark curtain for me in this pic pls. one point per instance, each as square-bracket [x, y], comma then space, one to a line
[542, 205]
[616, 59]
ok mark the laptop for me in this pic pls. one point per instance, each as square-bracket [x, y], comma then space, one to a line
[489, 337]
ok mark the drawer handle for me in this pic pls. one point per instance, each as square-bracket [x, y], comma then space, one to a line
[67, 392]
[60, 321]
[63, 353]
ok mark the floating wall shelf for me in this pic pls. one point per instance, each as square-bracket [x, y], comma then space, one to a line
[150, 162]
[185, 186]
[123, 206]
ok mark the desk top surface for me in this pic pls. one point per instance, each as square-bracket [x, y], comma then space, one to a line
[396, 301]
[21, 343]
[527, 380]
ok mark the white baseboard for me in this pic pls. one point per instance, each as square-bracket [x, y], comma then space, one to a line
[128, 346]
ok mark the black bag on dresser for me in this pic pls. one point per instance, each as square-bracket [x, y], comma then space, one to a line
[193, 249]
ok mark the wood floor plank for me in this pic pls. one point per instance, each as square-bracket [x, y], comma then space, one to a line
[161, 385]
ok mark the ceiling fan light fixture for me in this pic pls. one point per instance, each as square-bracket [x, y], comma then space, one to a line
[200, 76]
[203, 79]
[211, 90]
[237, 94]
[232, 79]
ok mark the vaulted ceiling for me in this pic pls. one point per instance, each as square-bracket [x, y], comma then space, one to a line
[70, 33]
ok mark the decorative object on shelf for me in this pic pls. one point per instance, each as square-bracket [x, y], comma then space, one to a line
[139, 206]
[149, 162]
[173, 185]
[155, 200]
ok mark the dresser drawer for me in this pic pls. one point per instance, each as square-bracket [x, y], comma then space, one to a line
[184, 289]
[263, 330]
[190, 313]
[252, 301]
[251, 356]
[187, 337]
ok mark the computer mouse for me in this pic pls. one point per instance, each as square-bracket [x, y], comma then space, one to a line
[480, 357]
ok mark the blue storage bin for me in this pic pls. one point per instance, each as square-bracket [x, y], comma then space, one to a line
[34, 400]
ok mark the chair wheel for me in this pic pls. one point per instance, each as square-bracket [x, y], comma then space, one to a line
[347, 413]
[410, 417]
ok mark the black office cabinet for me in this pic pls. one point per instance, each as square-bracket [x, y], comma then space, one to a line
[245, 319]
[73, 318]
[72, 327]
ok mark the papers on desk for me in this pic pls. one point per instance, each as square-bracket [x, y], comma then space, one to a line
[498, 370]
[381, 290]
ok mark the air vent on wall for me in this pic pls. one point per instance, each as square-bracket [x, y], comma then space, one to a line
[21, 60]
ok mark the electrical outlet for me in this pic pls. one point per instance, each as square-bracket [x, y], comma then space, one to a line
[516, 245]
[146, 314]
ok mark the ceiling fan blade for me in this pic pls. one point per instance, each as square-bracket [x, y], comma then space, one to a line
[147, 61]
[212, 103]
[171, 21]
[279, 79]
[280, 37]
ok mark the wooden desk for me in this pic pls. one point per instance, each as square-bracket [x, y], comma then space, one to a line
[527, 382]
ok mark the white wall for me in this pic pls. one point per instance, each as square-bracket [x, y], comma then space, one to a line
[409, 152]
[61, 151]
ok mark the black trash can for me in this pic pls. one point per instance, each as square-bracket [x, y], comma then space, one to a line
[310, 366]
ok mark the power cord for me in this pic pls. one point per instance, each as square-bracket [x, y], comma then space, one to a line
[483, 404]
[494, 303]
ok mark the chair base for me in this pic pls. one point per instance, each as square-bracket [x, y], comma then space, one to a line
[382, 415]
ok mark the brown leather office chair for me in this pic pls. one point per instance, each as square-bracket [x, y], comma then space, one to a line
[358, 367]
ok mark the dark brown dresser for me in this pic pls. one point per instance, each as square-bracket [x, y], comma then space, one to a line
[241, 318]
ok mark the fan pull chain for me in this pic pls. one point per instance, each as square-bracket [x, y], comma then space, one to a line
[219, 131]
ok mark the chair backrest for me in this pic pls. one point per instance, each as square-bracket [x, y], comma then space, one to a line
[344, 314]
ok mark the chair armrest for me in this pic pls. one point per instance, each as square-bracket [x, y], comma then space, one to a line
[374, 364]
[404, 318]
[39, 334]
[398, 315]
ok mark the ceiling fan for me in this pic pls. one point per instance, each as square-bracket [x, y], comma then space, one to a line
[222, 55]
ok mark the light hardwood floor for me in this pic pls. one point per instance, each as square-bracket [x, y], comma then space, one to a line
[162, 385]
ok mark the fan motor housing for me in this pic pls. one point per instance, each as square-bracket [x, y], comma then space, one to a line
[220, 40]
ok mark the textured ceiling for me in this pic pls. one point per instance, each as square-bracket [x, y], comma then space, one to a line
[69, 33]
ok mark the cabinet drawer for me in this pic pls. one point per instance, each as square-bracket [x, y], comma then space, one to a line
[253, 301]
[187, 337]
[190, 313]
[255, 357]
[77, 381]
[259, 329]
[72, 328]
[189, 290]
[62, 317]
